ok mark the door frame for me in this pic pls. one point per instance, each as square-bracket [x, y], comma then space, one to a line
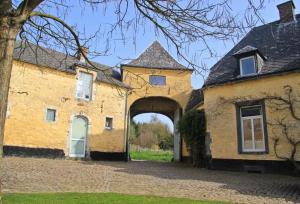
[85, 140]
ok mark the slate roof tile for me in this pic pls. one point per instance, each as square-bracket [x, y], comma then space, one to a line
[46, 57]
[155, 56]
[278, 42]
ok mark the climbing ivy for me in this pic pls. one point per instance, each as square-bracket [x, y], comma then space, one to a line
[192, 127]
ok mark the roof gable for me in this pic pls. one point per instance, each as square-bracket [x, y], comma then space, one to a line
[155, 56]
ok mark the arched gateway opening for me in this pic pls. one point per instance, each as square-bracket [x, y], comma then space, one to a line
[161, 105]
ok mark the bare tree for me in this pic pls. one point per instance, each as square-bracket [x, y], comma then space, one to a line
[286, 127]
[180, 22]
[283, 118]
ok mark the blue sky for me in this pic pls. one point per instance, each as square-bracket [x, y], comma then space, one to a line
[89, 21]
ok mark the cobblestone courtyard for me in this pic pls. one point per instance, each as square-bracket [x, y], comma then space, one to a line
[150, 178]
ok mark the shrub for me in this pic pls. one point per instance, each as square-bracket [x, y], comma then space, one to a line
[192, 126]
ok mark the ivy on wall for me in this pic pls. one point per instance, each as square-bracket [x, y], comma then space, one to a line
[192, 126]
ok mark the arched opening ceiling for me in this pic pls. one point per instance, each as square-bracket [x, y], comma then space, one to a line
[160, 105]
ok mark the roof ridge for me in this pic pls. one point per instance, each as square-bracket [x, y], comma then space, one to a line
[43, 48]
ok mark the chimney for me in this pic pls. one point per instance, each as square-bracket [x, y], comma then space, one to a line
[286, 11]
[85, 50]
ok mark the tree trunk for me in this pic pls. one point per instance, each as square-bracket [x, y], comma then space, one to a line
[8, 34]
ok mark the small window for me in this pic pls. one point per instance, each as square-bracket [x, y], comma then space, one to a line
[108, 123]
[157, 80]
[252, 128]
[51, 115]
[247, 66]
[84, 86]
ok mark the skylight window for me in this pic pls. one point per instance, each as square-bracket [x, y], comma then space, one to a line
[247, 66]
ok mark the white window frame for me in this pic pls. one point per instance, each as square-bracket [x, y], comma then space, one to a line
[55, 116]
[252, 129]
[91, 87]
[241, 67]
[112, 123]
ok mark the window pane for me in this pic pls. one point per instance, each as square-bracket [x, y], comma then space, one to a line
[50, 115]
[157, 80]
[79, 128]
[247, 132]
[77, 147]
[258, 133]
[251, 111]
[84, 85]
[248, 66]
[108, 123]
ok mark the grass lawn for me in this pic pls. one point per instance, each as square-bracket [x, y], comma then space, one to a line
[91, 198]
[152, 155]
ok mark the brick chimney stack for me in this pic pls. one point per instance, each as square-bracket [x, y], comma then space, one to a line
[85, 50]
[286, 11]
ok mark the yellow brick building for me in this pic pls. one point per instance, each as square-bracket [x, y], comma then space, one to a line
[61, 107]
[251, 97]
[160, 85]
[64, 107]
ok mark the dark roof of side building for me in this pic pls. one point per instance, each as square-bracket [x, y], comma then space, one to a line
[279, 43]
[156, 57]
[195, 99]
[46, 57]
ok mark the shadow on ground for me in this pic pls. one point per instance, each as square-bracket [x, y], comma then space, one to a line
[254, 184]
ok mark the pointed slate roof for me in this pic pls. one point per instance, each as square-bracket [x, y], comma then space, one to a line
[157, 57]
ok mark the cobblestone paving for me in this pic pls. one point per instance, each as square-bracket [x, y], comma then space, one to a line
[150, 178]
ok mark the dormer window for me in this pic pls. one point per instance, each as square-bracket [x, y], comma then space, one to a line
[250, 61]
[248, 66]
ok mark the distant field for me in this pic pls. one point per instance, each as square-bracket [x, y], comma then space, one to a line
[93, 198]
[152, 155]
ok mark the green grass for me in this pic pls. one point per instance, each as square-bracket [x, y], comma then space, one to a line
[152, 155]
[92, 198]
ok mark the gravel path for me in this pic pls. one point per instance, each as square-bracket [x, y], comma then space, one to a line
[150, 178]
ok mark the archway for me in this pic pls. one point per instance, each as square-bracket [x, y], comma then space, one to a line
[161, 105]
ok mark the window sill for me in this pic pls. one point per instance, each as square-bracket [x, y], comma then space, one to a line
[248, 75]
[157, 85]
[109, 129]
[83, 99]
[51, 122]
[254, 152]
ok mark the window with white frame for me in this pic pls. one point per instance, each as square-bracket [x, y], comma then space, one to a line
[252, 129]
[51, 115]
[247, 66]
[157, 80]
[108, 123]
[84, 86]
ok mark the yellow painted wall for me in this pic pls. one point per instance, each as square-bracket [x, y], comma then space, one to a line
[33, 89]
[178, 86]
[221, 114]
